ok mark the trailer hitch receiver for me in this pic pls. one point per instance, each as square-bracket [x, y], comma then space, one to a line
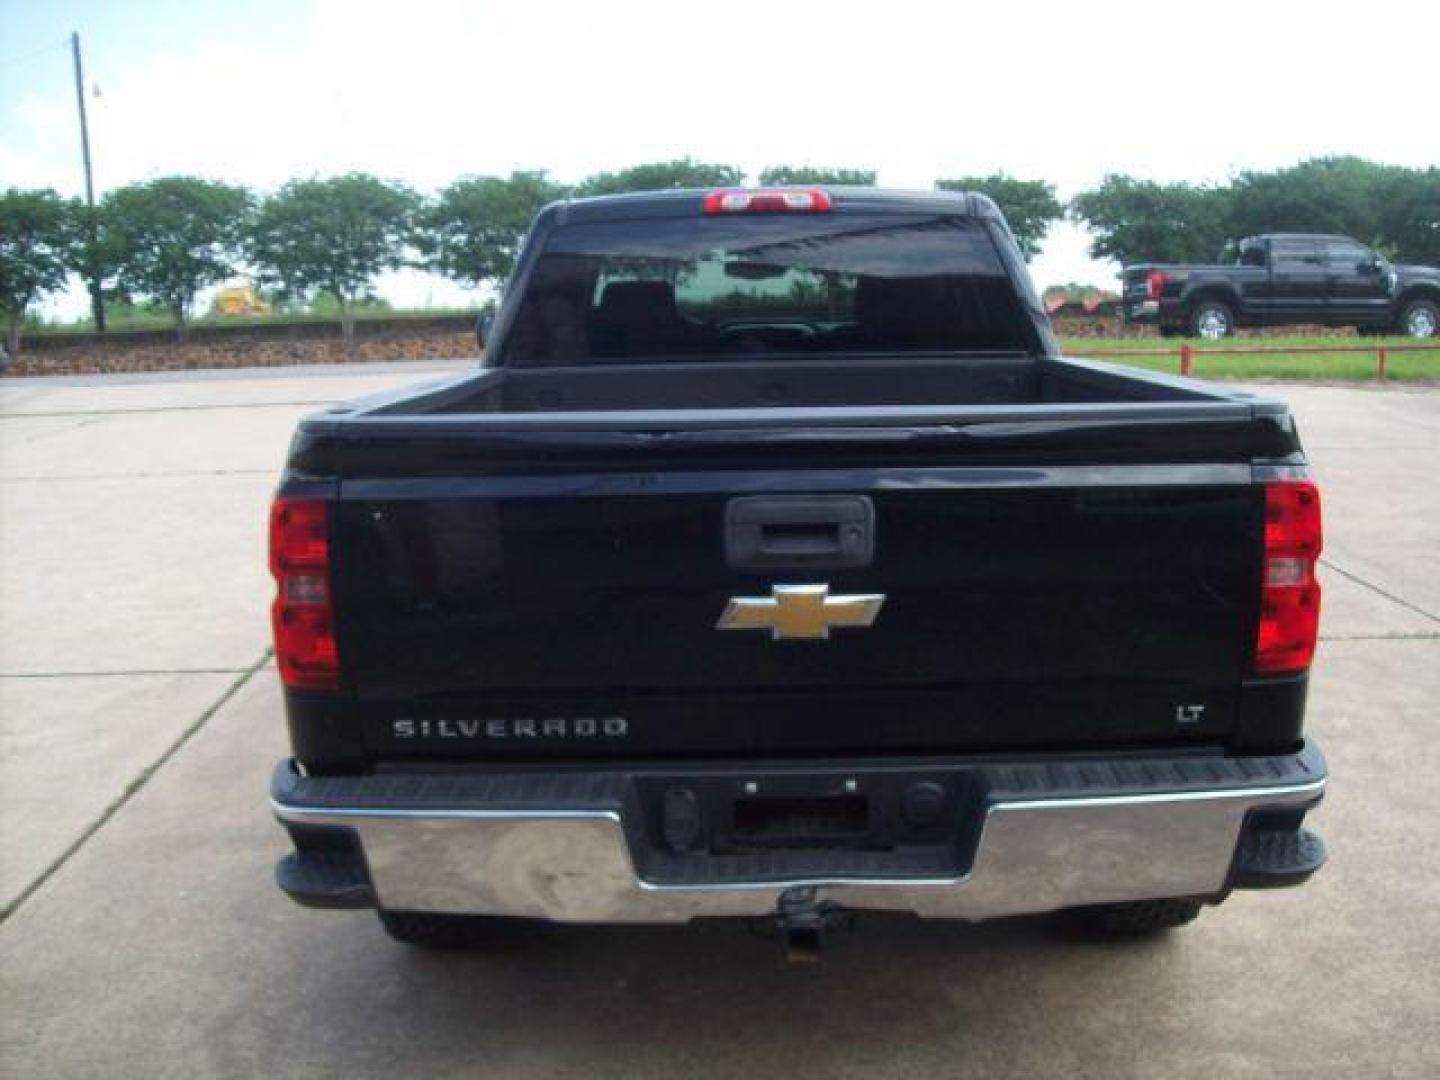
[801, 922]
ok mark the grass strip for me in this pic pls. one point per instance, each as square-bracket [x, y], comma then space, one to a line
[1274, 363]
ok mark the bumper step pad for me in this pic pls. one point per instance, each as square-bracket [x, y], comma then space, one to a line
[1269, 859]
[325, 879]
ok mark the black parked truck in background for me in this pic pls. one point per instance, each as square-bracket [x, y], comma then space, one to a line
[1285, 278]
[775, 564]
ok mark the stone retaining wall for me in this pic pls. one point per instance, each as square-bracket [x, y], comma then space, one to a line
[236, 351]
[282, 346]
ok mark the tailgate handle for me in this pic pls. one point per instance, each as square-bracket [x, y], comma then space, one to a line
[764, 532]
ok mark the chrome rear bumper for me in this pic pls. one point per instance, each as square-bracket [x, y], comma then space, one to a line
[442, 844]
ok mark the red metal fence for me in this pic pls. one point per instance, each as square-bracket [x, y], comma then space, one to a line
[1185, 353]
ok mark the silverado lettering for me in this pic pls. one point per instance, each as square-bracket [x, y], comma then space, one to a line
[521, 727]
[774, 563]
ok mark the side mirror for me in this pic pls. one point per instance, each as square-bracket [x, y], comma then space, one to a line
[1371, 265]
[483, 326]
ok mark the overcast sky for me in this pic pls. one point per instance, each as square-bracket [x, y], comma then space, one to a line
[259, 91]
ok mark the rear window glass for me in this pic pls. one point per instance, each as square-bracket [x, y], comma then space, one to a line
[1294, 255]
[752, 285]
[1346, 257]
[1251, 255]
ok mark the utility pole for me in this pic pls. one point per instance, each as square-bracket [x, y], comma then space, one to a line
[97, 302]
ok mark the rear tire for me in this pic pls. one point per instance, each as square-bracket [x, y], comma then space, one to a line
[1138, 919]
[1211, 320]
[1420, 319]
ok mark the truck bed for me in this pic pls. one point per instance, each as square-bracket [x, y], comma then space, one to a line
[934, 385]
[572, 421]
[1070, 552]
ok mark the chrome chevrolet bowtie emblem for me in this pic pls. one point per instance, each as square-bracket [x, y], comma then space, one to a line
[800, 611]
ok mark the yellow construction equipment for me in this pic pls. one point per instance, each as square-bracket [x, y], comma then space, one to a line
[240, 300]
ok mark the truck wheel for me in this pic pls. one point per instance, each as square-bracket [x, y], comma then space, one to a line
[429, 931]
[1138, 918]
[1420, 319]
[1212, 320]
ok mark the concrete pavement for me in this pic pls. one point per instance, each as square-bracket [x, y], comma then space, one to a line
[133, 585]
[132, 597]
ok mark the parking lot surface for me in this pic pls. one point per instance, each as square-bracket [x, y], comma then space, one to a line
[139, 719]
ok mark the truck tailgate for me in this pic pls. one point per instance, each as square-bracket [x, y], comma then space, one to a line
[574, 612]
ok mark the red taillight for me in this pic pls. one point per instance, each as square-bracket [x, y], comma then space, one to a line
[767, 201]
[302, 617]
[1154, 284]
[1289, 593]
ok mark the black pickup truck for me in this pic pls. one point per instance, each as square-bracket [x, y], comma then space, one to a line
[1285, 278]
[774, 564]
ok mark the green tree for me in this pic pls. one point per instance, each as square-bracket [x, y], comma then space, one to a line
[659, 175]
[173, 236]
[1390, 207]
[36, 238]
[1324, 195]
[1410, 217]
[1030, 206]
[333, 236]
[94, 256]
[816, 174]
[1142, 221]
[472, 232]
[93, 259]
